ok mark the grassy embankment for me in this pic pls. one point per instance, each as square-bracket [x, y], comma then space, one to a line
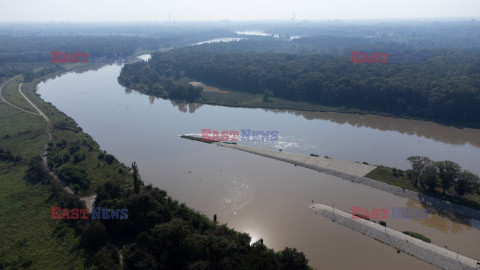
[229, 98]
[247, 100]
[399, 178]
[29, 237]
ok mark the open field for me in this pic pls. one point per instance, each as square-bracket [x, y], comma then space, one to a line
[10, 93]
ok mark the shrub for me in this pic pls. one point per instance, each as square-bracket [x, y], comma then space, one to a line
[109, 158]
[418, 236]
[79, 157]
[73, 174]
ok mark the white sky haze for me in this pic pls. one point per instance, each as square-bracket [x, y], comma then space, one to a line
[235, 10]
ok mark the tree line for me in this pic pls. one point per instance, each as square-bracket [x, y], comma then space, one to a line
[150, 82]
[443, 174]
[446, 87]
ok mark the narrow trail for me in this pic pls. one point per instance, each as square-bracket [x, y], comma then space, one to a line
[49, 138]
[10, 104]
[88, 200]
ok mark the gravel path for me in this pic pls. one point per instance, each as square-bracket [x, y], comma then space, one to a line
[10, 104]
[430, 253]
[88, 200]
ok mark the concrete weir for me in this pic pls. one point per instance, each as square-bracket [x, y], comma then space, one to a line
[355, 172]
[325, 165]
[430, 253]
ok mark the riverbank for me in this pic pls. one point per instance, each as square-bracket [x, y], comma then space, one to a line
[433, 254]
[212, 95]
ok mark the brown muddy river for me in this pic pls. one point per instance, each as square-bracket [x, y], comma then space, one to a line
[267, 198]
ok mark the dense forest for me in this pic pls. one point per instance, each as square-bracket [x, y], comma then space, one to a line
[446, 86]
[32, 55]
[26, 48]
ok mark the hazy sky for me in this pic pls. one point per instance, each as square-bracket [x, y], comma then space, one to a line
[197, 10]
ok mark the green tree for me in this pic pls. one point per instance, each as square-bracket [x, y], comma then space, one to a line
[94, 234]
[36, 170]
[290, 258]
[137, 181]
[448, 172]
[29, 75]
[467, 183]
[267, 94]
[106, 259]
[73, 174]
[430, 175]
[418, 165]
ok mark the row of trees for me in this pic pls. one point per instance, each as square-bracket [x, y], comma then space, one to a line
[445, 174]
[143, 78]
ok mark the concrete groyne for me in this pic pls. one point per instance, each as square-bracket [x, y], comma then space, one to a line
[430, 253]
[355, 172]
[321, 164]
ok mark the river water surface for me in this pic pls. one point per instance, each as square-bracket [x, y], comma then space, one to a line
[267, 198]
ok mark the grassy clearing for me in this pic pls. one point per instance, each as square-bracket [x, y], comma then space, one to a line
[246, 100]
[11, 94]
[399, 178]
[20, 132]
[238, 99]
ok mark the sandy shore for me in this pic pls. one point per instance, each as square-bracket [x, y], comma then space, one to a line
[433, 254]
